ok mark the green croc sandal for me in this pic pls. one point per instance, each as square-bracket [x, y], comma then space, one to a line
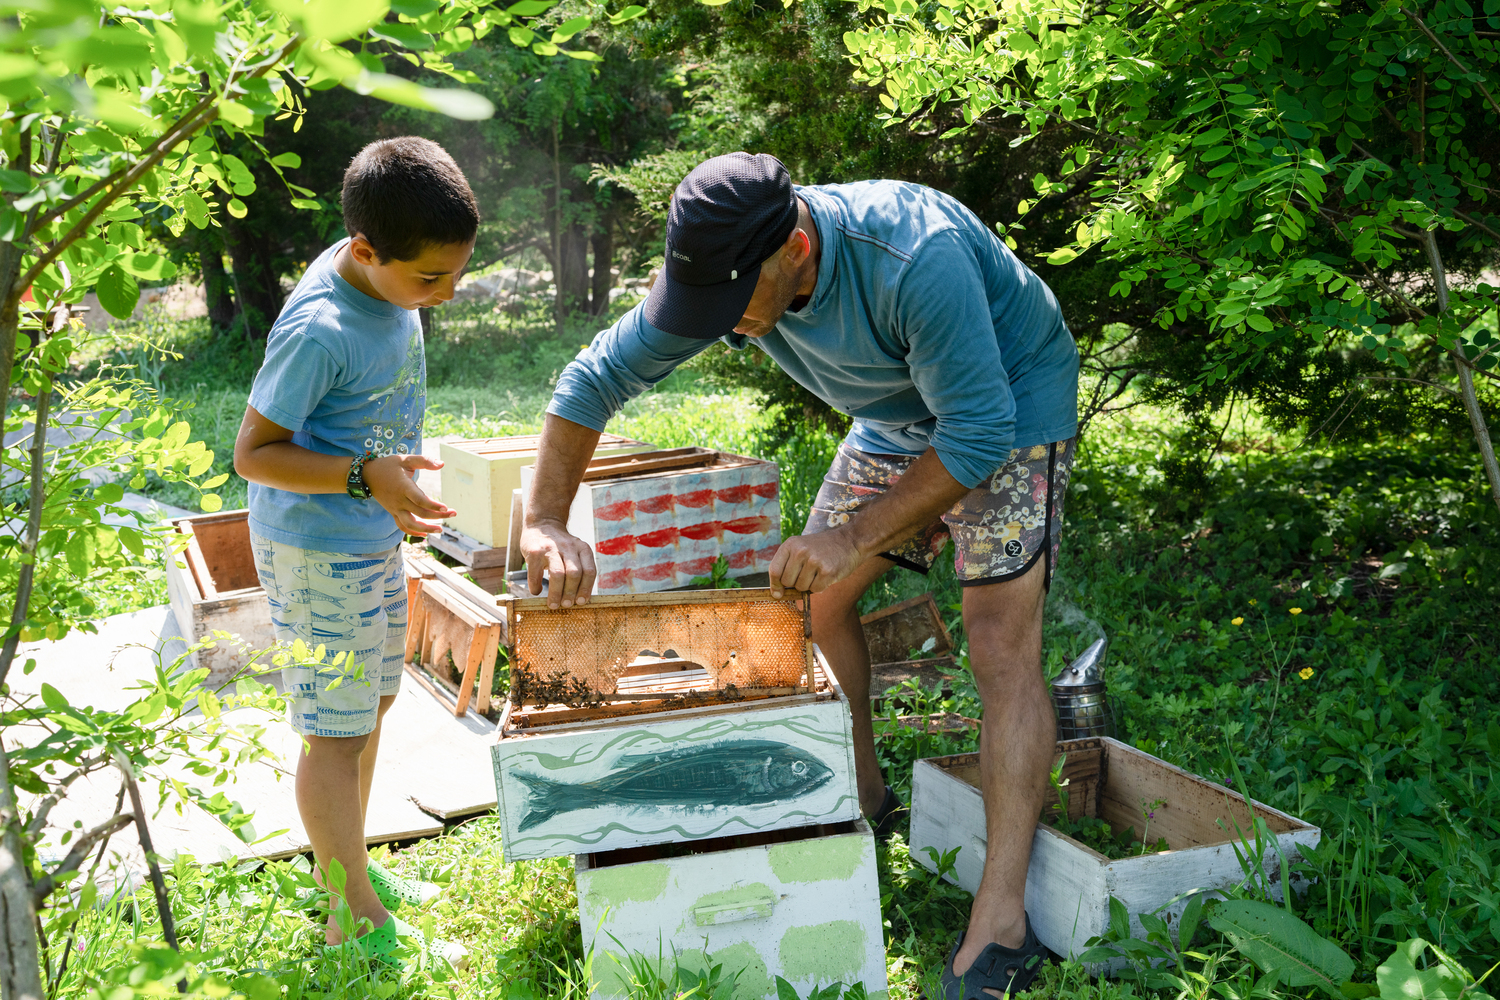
[383, 945]
[392, 890]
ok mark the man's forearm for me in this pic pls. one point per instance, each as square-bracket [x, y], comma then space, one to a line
[919, 497]
[562, 458]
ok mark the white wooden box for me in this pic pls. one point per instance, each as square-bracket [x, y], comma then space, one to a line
[800, 904]
[720, 734]
[1068, 885]
[216, 588]
[657, 520]
[480, 474]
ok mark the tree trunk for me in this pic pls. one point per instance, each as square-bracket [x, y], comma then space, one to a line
[218, 290]
[256, 284]
[571, 272]
[20, 958]
[603, 241]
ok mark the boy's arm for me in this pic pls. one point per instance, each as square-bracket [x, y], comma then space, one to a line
[264, 454]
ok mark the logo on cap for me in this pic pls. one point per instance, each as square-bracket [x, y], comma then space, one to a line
[682, 256]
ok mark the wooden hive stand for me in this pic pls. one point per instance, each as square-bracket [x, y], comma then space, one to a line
[454, 634]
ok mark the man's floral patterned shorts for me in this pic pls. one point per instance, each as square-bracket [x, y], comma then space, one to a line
[998, 530]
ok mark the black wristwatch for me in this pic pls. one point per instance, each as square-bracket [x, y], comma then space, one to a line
[356, 483]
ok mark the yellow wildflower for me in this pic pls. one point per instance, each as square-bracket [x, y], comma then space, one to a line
[1253, 602]
[1295, 611]
[1305, 673]
[1238, 621]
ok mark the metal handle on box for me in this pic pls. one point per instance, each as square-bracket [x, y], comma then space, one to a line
[754, 908]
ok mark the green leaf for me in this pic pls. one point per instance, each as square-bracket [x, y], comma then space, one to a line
[785, 990]
[521, 36]
[461, 104]
[570, 27]
[406, 35]
[527, 8]
[118, 293]
[415, 8]
[237, 208]
[109, 493]
[334, 20]
[1062, 255]
[1258, 321]
[211, 502]
[151, 266]
[236, 114]
[628, 14]
[53, 698]
[216, 481]
[290, 161]
[14, 181]
[1400, 979]
[544, 49]
[1277, 941]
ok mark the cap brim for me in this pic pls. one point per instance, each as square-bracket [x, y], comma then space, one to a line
[700, 312]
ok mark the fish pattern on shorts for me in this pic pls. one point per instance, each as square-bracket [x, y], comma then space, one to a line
[354, 604]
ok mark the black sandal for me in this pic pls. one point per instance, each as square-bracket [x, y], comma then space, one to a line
[1007, 970]
[884, 820]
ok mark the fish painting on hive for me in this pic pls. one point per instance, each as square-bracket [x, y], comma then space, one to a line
[660, 780]
[660, 532]
[731, 773]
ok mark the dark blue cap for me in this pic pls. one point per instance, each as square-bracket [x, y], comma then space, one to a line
[728, 216]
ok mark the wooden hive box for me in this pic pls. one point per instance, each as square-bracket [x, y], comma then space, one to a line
[801, 904]
[479, 476]
[1068, 885]
[216, 589]
[658, 718]
[657, 520]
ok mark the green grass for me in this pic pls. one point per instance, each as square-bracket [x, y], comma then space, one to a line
[1370, 710]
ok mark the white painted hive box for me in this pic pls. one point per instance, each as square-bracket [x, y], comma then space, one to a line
[657, 520]
[714, 731]
[800, 904]
[479, 476]
[216, 589]
[1068, 885]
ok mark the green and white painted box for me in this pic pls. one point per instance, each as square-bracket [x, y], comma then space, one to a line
[801, 904]
[674, 776]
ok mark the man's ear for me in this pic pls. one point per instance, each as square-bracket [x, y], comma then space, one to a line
[797, 248]
[362, 251]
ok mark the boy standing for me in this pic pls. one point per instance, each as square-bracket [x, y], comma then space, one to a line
[331, 442]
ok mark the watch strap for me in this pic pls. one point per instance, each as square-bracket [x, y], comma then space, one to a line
[355, 485]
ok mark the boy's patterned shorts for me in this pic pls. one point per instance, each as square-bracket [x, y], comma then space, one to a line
[353, 604]
[999, 529]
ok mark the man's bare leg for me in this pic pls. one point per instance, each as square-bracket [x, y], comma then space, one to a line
[836, 630]
[1004, 626]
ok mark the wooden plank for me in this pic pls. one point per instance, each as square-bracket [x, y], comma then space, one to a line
[513, 558]
[524, 604]
[198, 566]
[478, 599]
[760, 902]
[675, 776]
[469, 551]
[616, 466]
[487, 666]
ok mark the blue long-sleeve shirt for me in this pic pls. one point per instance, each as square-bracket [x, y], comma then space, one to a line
[923, 327]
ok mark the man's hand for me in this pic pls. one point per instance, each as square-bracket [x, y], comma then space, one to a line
[814, 562]
[392, 483]
[568, 560]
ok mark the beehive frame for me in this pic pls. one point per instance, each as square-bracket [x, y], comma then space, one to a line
[751, 645]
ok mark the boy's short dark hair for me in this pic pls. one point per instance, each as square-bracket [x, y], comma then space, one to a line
[405, 194]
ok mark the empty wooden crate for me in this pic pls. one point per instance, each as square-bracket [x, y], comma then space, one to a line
[212, 586]
[479, 476]
[1069, 885]
[657, 520]
[801, 904]
[656, 718]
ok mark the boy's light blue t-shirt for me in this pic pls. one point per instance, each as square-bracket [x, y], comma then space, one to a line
[348, 374]
[923, 327]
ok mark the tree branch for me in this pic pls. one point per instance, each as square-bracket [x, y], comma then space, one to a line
[1479, 78]
[47, 884]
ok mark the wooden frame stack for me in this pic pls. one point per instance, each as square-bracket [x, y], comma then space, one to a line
[454, 634]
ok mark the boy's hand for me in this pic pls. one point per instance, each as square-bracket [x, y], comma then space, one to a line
[392, 485]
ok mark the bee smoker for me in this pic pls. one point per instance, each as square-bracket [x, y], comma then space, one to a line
[1078, 694]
